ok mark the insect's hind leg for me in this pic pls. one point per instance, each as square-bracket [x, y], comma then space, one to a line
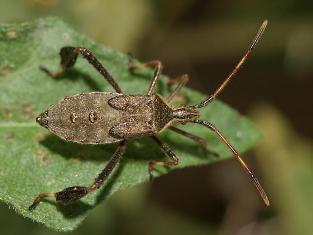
[154, 64]
[168, 152]
[199, 140]
[68, 60]
[74, 193]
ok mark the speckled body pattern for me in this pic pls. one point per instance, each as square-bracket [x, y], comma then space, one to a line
[107, 117]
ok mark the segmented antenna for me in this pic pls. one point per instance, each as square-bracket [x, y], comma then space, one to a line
[235, 153]
[235, 70]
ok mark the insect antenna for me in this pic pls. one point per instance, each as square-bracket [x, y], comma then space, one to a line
[235, 70]
[241, 161]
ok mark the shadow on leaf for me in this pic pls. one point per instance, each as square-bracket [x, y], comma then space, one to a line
[74, 74]
[71, 210]
[137, 149]
[71, 150]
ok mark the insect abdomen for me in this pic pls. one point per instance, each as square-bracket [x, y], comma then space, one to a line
[84, 118]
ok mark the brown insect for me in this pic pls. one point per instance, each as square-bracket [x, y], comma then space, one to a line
[109, 117]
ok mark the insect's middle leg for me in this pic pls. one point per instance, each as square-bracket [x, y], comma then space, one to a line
[168, 152]
[74, 193]
[157, 72]
[68, 60]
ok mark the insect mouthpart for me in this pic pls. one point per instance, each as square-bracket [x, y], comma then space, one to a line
[186, 113]
[42, 119]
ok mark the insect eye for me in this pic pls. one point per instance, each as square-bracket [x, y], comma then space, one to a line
[93, 116]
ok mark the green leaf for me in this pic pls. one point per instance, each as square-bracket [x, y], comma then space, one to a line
[33, 161]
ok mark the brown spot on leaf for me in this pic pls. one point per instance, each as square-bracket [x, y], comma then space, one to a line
[11, 33]
[4, 70]
[9, 136]
[66, 36]
[27, 110]
[40, 136]
[42, 157]
[7, 112]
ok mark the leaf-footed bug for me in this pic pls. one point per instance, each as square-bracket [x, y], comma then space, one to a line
[109, 117]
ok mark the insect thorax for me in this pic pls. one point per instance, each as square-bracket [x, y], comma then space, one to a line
[144, 115]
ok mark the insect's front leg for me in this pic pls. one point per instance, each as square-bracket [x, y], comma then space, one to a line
[74, 193]
[181, 82]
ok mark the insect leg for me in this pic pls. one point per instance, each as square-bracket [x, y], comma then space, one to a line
[235, 153]
[154, 63]
[68, 59]
[168, 152]
[72, 194]
[197, 139]
[181, 81]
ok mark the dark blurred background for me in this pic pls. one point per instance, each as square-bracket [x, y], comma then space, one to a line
[206, 39]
